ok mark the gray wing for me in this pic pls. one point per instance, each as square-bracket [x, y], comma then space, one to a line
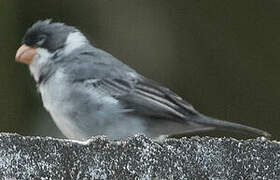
[145, 97]
[109, 75]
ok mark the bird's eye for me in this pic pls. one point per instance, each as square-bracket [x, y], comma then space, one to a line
[41, 40]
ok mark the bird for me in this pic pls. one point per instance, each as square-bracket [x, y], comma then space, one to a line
[89, 92]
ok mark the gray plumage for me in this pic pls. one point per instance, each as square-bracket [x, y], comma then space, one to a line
[89, 92]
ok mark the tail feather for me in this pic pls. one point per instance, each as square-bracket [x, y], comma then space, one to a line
[230, 126]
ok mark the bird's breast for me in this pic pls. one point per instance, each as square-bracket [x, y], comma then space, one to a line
[54, 92]
[58, 100]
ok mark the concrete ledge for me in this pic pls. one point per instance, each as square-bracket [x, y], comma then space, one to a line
[138, 158]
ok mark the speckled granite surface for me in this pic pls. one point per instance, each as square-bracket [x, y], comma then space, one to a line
[138, 158]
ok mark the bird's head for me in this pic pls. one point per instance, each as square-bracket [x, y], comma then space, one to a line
[44, 39]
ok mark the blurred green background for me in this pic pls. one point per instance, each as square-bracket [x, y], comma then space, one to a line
[221, 56]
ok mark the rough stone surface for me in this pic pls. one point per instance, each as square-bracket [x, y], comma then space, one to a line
[138, 158]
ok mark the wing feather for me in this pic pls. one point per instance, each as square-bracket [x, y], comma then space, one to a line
[146, 97]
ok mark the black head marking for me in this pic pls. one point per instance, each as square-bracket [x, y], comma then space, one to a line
[48, 35]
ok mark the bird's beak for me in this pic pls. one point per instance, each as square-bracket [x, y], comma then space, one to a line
[25, 54]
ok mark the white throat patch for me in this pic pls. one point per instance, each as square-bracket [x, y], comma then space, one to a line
[41, 58]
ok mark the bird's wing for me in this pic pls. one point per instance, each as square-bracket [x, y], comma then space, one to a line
[145, 97]
[133, 91]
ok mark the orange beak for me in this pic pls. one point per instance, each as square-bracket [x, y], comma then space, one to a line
[25, 54]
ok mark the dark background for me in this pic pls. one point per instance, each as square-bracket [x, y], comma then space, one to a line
[221, 56]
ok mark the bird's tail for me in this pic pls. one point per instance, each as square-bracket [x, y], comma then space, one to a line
[229, 126]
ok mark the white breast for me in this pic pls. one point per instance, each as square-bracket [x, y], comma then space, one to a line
[55, 94]
[54, 91]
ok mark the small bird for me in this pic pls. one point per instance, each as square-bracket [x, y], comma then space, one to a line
[89, 92]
